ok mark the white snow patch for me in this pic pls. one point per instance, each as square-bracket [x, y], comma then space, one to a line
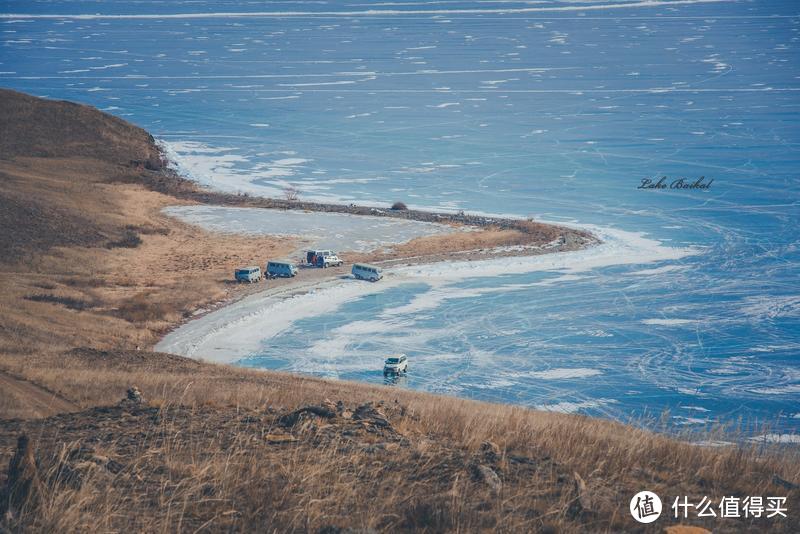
[668, 322]
[573, 407]
[776, 438]
[565, 373]
[656, 270]
[338, 231]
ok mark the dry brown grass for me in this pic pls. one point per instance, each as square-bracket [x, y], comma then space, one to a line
[209, 450]
[527, 238]
[132, 294]
[40, 128]
[86, 256]
[438, 245]
[11, 406]
[469, 241]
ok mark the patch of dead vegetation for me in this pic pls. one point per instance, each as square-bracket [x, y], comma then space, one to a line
[476, 241]
[139, 275]
[69, 302]
[40, 128]
[404, 462]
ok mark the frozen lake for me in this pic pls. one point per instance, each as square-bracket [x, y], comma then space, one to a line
[337, 231]
[556, 109]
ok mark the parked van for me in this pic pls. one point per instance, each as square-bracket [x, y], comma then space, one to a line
[248, 274]
[313, 256]
[363, 271]
[280, 268]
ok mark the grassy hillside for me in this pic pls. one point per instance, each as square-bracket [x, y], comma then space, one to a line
[86, 256]
[90, 270]
[34, 127]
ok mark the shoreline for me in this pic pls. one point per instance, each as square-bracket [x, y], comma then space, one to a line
[320, 278]
[233, 319]
[540, 238]
[169, 177]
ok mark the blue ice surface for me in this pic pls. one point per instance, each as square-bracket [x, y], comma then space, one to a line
[553, 114]
[316, 230]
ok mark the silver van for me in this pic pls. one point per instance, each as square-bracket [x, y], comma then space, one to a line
[394, 365]
[364, 271]
[248, 274]
[280, 268]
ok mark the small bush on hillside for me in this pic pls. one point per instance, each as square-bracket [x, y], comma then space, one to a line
[399, 206]
[148, 229]
[130, 239]
[142, 308]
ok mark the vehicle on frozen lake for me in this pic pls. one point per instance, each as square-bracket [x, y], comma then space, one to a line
[248, 274]
[280, 269]
[364, 271]
[395, 365]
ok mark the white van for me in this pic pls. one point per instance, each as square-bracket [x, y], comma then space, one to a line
[364, 271]
[394, 365]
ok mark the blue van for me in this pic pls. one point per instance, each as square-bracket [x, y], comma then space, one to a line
[280, 268]
[248, 274]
